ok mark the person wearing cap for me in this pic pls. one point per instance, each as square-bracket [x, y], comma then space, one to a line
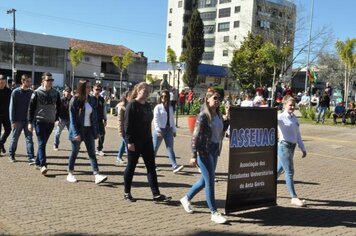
[63, 117]
[43, 112]
[20, 100]
[5, 95]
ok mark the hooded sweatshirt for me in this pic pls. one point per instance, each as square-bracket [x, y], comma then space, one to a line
[44, 106]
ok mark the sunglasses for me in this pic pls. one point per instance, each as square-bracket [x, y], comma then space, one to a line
[98, 89]
[164, 95]
[49, 80]
[216, 98]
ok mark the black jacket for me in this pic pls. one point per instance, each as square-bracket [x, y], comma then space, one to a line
[5, 95]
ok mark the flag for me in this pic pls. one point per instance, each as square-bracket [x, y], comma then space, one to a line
[314, 77]
[310, 76]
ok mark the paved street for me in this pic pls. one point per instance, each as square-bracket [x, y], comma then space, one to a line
[35, 205]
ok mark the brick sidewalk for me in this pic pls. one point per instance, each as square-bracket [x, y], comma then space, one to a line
[36, 205]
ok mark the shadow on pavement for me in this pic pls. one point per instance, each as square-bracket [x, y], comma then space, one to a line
[304, 217]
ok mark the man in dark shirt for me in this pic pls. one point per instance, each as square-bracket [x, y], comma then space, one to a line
[5, 95]
[102, 117]
[20, 100]
[63, 117]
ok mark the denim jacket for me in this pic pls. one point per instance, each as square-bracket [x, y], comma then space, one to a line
[77, 116]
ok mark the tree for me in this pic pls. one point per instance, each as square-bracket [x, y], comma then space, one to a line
[122, 64]
[274, 57]
[75, 57]
[330, 69]
[246, 62]
[347, 55]
[172, 58]
[194, 40]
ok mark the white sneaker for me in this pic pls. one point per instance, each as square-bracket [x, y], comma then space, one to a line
[71, 178]
[100, 178]
[43, 170]
[178, 168]
[120, 161]
[186, 205]
[100, 153]
[296, 201]
[218, 218]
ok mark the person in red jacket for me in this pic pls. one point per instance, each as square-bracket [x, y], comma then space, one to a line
[182, 101]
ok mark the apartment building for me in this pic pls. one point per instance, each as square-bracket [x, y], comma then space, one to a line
[227, 22]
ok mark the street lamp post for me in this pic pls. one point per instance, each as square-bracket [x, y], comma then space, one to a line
[178, 72]
[13, 69]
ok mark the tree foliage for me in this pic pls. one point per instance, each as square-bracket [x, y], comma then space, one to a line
[247, 61]
[330, 69]
[75, 56]
[347, 55]
[194, 40]
[122, 64]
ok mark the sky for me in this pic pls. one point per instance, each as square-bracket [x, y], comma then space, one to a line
[140, 24]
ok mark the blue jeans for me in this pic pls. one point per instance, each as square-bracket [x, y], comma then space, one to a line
[43, 131]
[59, 129]
[322, 114]
[16, 132]
[207, 166]
[88, 139]
[122, 148]
[285, 162]
[167, 135]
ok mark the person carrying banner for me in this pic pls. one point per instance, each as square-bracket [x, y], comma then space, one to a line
[206, 141]
[289, 135]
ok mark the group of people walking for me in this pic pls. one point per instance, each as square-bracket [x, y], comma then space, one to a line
[86, 121]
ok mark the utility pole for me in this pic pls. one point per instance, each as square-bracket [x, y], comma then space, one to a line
[178, 69]
[13, 65]
[310, 32]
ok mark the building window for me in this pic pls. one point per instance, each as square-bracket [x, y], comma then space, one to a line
[170, 23]
[180, 4]
[237, 9]
[263, 24]
[206, 3]
[225, 53]
[236, 24]
[169, 35]
[209, 29]
[222, 27]
[226, 39]
[235, 37]
[209, 42]
[224, 1]
[49, 57]
[208, 15]
[207, 56]
[87, 59]
[170, 10]
[217, 81]
[224, 12]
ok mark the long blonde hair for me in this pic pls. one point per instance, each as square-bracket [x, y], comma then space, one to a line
[206, 109]
[137, 88]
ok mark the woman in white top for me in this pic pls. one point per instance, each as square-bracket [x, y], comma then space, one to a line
[83, 127]
[164, 128]
[289, 135]
[247, 102]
